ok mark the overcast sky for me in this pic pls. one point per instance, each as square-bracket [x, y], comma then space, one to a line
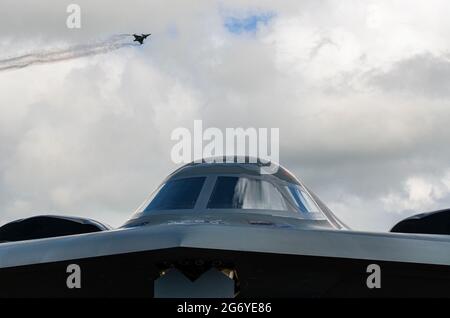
[359, 90]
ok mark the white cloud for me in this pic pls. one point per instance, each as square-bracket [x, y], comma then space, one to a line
[418, 194]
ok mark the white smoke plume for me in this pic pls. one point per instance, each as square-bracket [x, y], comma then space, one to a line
[62, 54]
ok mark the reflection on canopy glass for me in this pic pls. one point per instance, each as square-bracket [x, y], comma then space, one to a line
[246, 193]
[301, 199]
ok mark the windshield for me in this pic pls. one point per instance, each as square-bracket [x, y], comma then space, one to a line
[234, 192]
[177, 194]
[302, 200]
[245, 193]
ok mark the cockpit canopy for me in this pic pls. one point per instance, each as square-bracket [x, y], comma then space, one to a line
[234, 187]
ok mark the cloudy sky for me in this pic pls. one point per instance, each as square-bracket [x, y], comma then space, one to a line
[359, 90]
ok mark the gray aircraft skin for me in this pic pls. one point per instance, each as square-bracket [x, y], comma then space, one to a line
[266, 232]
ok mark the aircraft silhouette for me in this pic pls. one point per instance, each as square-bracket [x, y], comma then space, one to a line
[140, 38]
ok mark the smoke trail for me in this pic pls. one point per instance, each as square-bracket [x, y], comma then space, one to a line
[49, 56]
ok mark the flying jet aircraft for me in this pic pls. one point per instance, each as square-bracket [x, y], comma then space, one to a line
[140, 38]
[225, 229]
